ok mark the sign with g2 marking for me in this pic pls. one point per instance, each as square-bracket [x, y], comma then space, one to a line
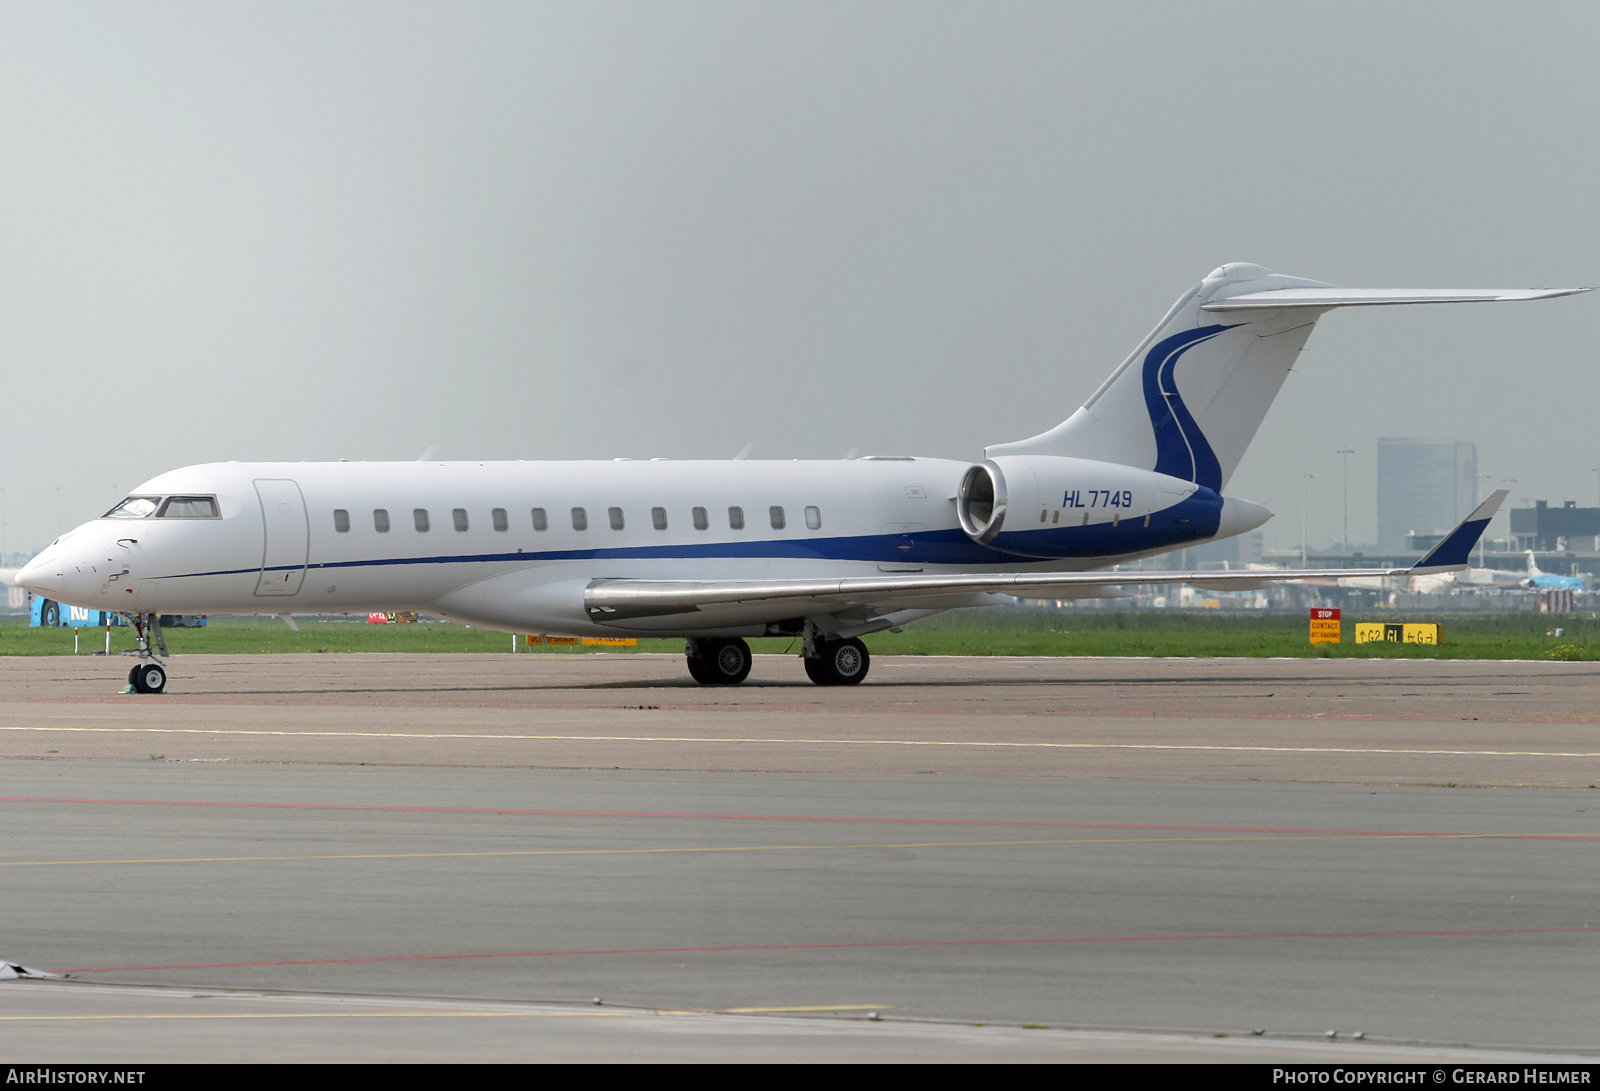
[1404, 633]
[1326, 627]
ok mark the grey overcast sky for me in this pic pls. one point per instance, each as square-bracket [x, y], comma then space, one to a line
[522, 230]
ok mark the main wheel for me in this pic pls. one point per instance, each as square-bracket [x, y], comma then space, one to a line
[149, 678]
[697, 669]
[720, 662]
[838, 663]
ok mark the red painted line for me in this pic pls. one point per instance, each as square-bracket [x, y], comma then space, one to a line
[800, 818]
[849, 946]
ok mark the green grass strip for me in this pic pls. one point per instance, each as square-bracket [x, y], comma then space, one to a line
[1081, 631]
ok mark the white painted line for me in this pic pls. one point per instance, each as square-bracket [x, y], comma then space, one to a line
[821, 742]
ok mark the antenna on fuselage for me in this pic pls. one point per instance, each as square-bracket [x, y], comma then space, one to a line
[426, 454]
[744, 452]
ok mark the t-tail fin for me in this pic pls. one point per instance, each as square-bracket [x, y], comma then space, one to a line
[1191, 397]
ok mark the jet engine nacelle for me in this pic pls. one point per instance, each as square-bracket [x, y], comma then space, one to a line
[1049, 506]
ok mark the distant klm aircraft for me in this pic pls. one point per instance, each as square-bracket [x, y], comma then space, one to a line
[1543, 581]
[715, 552]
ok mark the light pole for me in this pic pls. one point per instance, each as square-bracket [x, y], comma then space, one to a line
[1304, 479]
[1477, 495]
[1596, 471]
[1344, 454]
[1508, 482]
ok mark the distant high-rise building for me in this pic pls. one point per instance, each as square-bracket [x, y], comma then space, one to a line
[1424, 487]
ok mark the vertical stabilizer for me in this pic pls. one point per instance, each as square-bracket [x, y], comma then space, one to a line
[1191, 397]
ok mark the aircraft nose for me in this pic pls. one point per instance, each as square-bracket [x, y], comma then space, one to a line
[63, 573]
[43, 574]
[1239, 516]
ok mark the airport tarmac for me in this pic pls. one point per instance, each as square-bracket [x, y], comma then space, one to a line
[1124, 857]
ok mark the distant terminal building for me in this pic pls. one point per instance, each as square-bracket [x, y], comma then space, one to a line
[1567, 529]
[1425, 488]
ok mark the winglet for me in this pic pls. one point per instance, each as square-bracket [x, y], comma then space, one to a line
[1454, 551]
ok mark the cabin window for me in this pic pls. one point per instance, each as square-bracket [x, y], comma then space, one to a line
[498, 517]
[616, 518]
[701, 522]
[540, 520]
[813, 518]
[580, 519]
[380, 520]
[459, 517]
[419, 517]
[341, 520]
[134, 507]
[775, 513]
[658, 518]
[188, 507]
[736, 518]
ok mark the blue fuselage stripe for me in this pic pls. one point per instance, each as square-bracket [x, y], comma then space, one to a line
[1194, 518]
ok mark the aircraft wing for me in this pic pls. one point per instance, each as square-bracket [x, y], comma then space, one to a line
[619, 601]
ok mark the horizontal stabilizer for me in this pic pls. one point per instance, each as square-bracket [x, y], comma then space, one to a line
[1456, 547]
[1377, 297]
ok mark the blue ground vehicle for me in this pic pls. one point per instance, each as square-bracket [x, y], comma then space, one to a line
[51, 614]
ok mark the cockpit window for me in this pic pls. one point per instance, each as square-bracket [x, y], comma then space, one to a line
[134, 507]
[188, 507]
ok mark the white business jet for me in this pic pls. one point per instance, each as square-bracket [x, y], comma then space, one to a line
[714, 552]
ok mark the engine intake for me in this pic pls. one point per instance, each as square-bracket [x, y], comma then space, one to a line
[981, 502]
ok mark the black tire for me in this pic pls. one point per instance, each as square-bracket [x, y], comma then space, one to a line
[697, 669]
[839, 663]
[49, 615]
[720, 662]
[133, 675]
[149, 678]
[817, 671]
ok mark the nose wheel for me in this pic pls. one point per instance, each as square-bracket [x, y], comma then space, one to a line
[148, 678]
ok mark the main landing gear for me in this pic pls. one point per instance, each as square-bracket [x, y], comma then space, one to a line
[148, 675]
[837, 662]
[721, 661]
[718, 661]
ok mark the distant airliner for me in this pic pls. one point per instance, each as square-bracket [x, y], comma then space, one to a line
[714, 552]
[1535, 580]
[1532, 579]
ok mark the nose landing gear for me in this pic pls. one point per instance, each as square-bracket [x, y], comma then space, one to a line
[148, 675]
[148, 678]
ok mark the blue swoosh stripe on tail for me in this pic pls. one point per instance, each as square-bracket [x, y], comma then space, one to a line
[1181, 448]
